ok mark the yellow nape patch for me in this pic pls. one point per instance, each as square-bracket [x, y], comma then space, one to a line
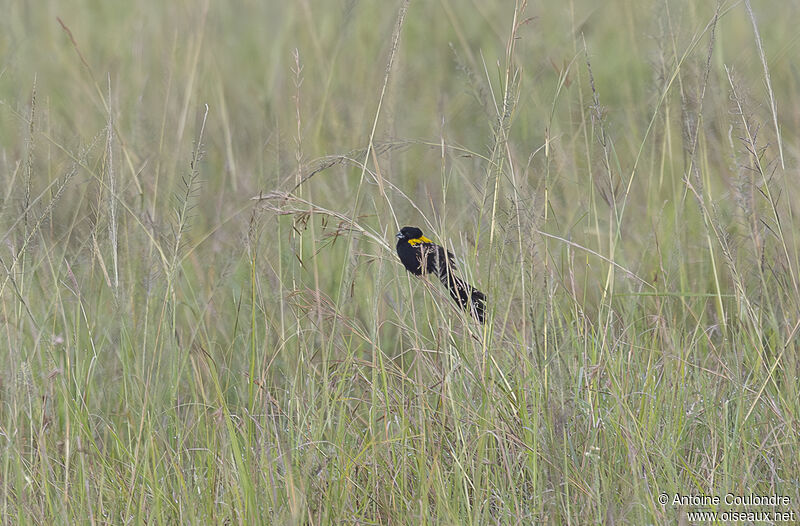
[417, 241]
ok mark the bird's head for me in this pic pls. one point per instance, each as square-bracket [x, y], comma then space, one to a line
[409, 232]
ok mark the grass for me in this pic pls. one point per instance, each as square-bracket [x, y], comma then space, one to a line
[204, 321]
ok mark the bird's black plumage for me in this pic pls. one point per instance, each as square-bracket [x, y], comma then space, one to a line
[420, 256]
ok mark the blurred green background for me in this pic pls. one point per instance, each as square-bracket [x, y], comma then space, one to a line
[610, 174]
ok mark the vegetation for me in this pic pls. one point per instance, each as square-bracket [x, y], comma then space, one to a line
[204, 320]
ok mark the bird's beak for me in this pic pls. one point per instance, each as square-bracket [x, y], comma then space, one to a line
[399, 235]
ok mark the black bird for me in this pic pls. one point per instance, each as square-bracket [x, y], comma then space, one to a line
[420, 256]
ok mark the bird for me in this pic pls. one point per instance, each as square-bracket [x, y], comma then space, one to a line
[421, 256]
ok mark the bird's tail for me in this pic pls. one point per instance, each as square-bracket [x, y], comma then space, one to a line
[468, 297]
